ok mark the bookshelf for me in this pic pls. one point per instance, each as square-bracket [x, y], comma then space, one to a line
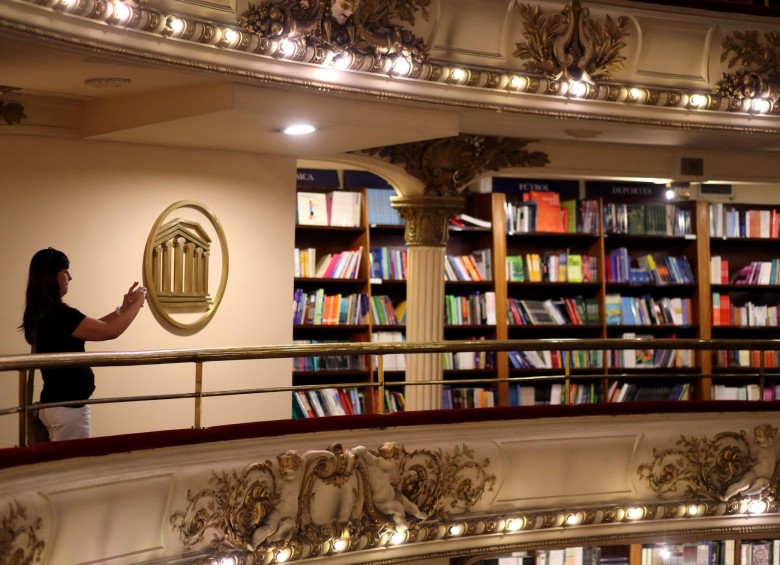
[624, 262]
[744, 297]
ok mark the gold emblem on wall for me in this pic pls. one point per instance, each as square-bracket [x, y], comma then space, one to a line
[179, 265]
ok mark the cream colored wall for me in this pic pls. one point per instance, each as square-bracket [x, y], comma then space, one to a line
[97, 202]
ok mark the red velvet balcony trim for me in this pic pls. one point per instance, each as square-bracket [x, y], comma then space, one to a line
[99, 446]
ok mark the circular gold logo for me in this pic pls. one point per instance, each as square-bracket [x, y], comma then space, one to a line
[179, 262]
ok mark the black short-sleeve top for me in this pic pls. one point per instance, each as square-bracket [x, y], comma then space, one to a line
[55, 336]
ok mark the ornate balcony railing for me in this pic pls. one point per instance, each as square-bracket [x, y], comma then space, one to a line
[703, 374]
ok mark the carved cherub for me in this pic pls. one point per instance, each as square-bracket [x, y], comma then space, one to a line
[279, 524]
[383, 473]
[764, 453]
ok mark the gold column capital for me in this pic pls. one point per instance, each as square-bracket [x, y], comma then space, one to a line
[427, 217]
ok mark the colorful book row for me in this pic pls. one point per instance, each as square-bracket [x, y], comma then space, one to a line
[542, 211]
[476, 309]
[384, 313]
[477, 266]
[620, 268]
[647, 311]
[647, 219]
[317, 308]
[730, 222]
[547, 359]
[560, 266]
[328, 402]
[388, 263]
[564, 311]
[467, 397]
[749, 315]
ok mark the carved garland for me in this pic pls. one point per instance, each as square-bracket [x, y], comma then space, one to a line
[19, 542]
[303, 502]
[362, 27]
[730, 466]
[760, 75]
[571, 45]
[446, 166]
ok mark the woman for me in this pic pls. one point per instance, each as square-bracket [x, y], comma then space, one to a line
[51, 326]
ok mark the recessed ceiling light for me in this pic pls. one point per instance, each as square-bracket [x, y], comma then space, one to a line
[299, 129]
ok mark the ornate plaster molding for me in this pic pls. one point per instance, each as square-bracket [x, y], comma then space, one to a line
[446, 166]
[571, 45]
[730, 467]
[360, 28]
[427, 218]
[193, 30]
[19, 541]
[321, 502]
[759, 76]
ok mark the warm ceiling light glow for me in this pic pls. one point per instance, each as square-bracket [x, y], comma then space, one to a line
[665, 553]
[401, 66]
[518, 82]
[760, 105]
[176, 25]
[578, 88]
[230, 36]
[398, 537]
[458, 74]
[758, 507]
[121, 11]
[693, 510]
[698, 101]
[635, 513]
[340, 544]
[287, 47]
[341, 62]
[571, 519]
[514, 524]
[299, 129]
[283, 555]
[455, 530]
[670, 194]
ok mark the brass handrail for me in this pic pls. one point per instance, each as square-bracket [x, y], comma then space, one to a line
[24, 363]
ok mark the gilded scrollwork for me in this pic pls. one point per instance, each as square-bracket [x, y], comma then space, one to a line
[19, 541]
[447, 165]
[722, 468]
[303, 501]
[760, 61]
[359, 26]
[571, 45]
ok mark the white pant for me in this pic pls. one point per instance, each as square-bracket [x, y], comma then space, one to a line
[66, 423]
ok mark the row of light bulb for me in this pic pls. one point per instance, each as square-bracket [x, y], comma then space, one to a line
[511, 525]
[401, 66]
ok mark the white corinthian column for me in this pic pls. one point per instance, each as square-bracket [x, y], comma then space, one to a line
[426, 234]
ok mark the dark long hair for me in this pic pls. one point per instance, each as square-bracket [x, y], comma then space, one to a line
[43, 290]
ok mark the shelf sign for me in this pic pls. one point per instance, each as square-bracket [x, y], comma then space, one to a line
[617, 189]
[363, 179]
[317, 178]
[568, 189]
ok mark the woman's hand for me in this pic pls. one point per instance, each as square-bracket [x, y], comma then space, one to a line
[136, 294]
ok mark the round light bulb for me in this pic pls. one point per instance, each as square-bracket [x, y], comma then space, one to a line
[402, 66]
[635, 513]
[760, 105]
[518, 82]
[341, 62]
[299, 129]
[283, 555]
[578, 88]
[176, 25]
[340, 544]
[287, 47]
[697, 100]
[458, 74]
[121, 11]
[230, 35]
[758, 507]
[514, 524]
[455, 529]
[398, 537]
